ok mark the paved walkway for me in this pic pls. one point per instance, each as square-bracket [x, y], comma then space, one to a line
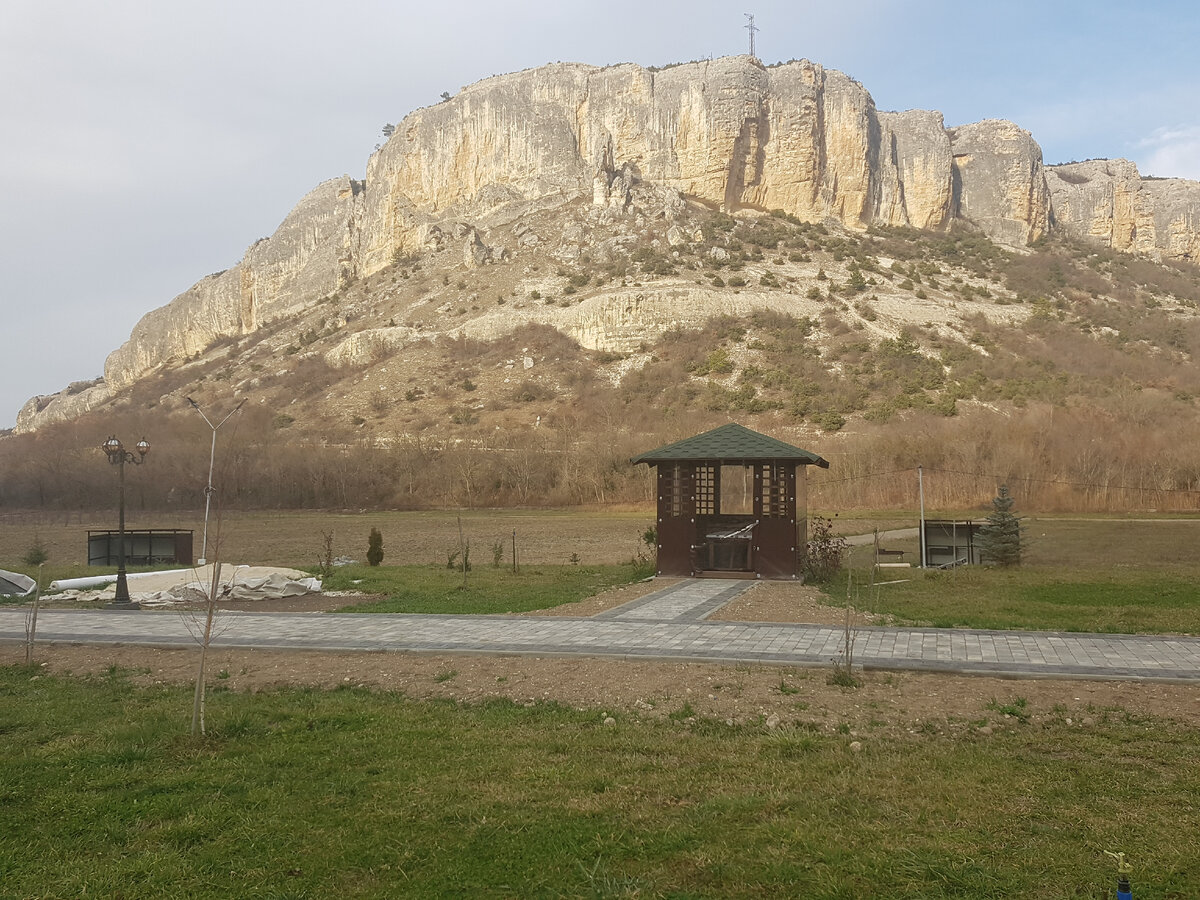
[668, 624]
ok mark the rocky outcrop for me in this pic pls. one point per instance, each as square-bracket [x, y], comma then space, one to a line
[999, 182]
[916, 186]
[308, 257]
[61, 407]
[370, 346]
[1107, 202]
[729, 132]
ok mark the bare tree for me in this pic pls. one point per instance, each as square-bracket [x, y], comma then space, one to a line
[34, 556]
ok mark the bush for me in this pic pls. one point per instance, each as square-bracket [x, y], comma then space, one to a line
[36, 555]
[824, 551]
[830, 421]
[375, 548]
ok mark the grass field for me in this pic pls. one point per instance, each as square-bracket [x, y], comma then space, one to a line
[1102, 575]
[487, 590]
[1116, 601]
[358, 794]
[296, 538]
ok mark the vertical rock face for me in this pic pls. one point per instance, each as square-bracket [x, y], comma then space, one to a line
[1106, 201]
[310, 254]
[729, 132]
[916, 184]
[999, 181]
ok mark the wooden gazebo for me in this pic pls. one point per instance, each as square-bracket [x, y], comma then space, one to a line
[732, 503]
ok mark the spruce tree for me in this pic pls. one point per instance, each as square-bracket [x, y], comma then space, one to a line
[1000, 539]
[374, 548]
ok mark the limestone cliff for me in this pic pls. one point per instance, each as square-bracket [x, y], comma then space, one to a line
[729, 133]
[1106, 201]
[999, 182]
[307, 258]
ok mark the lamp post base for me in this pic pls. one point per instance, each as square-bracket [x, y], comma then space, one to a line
[121, 595]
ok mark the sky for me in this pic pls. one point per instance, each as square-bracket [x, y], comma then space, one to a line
[147, 143]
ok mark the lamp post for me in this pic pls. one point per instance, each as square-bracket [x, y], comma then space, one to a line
[118, 456]
[209, 490]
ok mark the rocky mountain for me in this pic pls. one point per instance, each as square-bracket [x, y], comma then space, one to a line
[466, 176]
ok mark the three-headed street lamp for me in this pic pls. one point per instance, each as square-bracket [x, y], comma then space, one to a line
[118, 456]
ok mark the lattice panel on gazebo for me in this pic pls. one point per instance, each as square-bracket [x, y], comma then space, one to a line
[706, 489]
[775, 486]
[672, 490]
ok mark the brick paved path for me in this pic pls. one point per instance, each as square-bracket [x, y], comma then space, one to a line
[668, 624]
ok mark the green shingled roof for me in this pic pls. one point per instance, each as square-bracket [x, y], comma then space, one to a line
[730, 444]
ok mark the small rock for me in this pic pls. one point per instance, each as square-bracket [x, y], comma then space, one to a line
[1087, 721]
[773, 721]
[986, 729]
[609, 720]
[856, 746]
[1069, 722]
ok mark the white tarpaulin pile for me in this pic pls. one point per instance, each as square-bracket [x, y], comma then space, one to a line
[15, 584]
[191, 586]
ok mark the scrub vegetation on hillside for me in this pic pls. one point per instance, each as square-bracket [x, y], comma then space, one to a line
[1068, 372]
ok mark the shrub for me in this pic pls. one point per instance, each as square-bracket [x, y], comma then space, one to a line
[824, 551]
[829, 421]
[374, 547]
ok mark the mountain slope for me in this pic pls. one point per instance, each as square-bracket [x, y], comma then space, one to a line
[580, 251]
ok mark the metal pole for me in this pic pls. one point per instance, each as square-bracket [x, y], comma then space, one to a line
[121, 598]
[921, 492]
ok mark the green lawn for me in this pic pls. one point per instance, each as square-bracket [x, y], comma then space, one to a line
[488, 589]
[1113, 600]
[351, 793]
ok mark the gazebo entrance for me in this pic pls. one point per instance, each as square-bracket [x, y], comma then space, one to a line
[731, 503]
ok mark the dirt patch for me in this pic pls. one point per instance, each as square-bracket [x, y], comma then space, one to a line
[886, 705]
[789, 603]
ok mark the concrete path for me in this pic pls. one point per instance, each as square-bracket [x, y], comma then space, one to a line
[668, 624]
[691, 600]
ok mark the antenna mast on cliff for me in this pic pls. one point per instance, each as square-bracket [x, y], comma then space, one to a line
[752, 28]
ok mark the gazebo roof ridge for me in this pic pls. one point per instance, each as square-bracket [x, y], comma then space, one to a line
[731, 442]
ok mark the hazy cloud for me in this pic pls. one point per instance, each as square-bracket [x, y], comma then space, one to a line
[1171, 152]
